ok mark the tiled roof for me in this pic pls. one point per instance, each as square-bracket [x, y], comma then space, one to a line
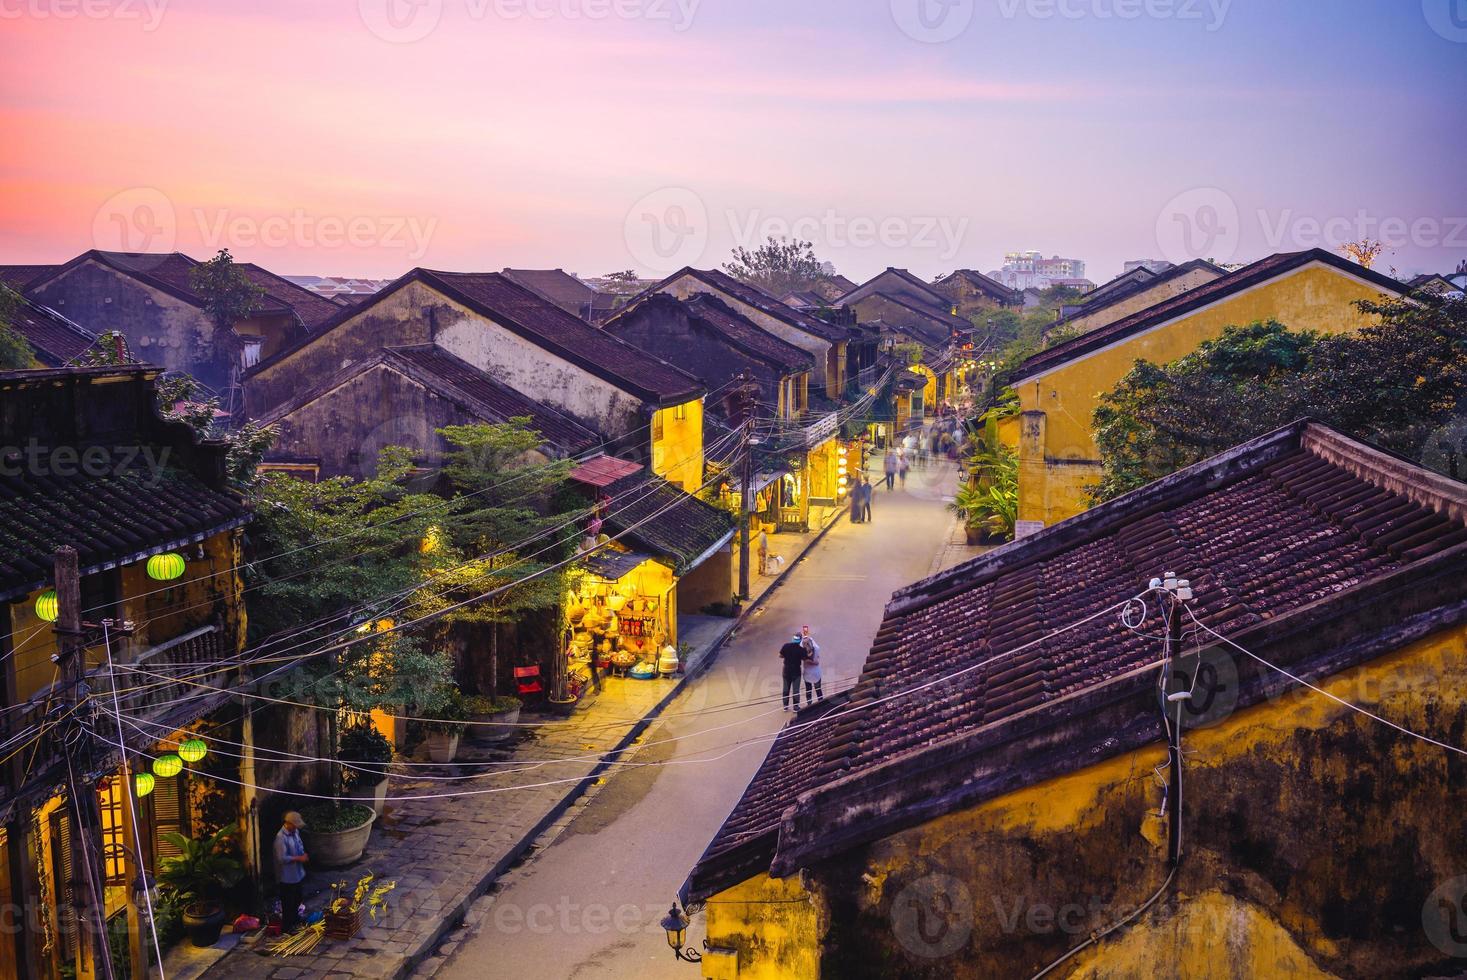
[493, 400]
[611, 564]
[989, 285]
[1135, 281]
[170, 271]
[912, 290]
[1183, 303]
[563, 289]
[569, 336]
[760, 300]
[603, 470]
[678, 526]
[747, 334]
[109, 520]
[1301, 523]
[55, 340]
[18, 277]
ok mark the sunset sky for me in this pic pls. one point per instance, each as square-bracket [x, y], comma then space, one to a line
[329, 137]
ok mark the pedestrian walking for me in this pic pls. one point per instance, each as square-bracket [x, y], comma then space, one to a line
[855, 501]
[793, 655]
[902, 466]
[889, 467]
[866, 492]
[290, 869]
[810, 669]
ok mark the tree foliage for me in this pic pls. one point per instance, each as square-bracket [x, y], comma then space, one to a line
[1392, 383]
[229, 296]
[778, 266]
[15, 352]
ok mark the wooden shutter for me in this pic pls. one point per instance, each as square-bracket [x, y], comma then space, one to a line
[169, 816]
[64, 895]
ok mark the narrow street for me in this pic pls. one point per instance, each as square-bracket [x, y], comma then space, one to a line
[588, 905]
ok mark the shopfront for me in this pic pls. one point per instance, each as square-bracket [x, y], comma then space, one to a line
[621, 616]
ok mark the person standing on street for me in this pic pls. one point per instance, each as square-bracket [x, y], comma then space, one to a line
[903, 464]
[855, 501]
[793, 655]
[866, 490]
[290, 869]
[810, 669]
[889, 467]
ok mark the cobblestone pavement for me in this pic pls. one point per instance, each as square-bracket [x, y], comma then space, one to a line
[443, 851]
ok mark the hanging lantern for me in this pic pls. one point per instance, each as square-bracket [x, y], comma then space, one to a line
[166, 567]
[47, 607]
[143, 783]
[167, 766]
[193, 750]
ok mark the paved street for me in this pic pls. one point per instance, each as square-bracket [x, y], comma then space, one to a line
[588, 905]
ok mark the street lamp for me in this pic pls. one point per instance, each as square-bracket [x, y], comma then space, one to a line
[675, 924]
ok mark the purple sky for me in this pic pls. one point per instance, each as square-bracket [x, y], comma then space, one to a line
[363, 138]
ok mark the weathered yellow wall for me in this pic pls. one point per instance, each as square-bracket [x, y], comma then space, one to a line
[678, 455]
[772, 925]
[1139, 301]
[1313, 837]
[1051, 487]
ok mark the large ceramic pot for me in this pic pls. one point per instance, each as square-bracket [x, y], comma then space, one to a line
[496, 727]
[442, 746]
[338, 848]
[203, 920]
[561, 708]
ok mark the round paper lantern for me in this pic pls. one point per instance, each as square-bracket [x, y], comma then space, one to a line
[143, 783]
[47, 607]
[193, 750]
[166, 567]
[168, 765]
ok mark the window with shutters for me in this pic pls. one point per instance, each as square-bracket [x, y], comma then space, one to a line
[114, 857]
[68, 934]
[167, 814]
[9, 937]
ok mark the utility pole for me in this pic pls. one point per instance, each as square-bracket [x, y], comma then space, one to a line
[1176, 593]
[86, 851]
[741, 403]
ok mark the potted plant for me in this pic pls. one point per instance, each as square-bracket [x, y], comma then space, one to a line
[367, 754]
[337, 831]
[445, 726]
[494, 718]
[199, 875]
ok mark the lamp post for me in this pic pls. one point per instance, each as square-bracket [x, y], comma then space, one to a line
[675, 924]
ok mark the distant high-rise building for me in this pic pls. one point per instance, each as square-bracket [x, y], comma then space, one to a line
[1031, 270]
[1150, 265]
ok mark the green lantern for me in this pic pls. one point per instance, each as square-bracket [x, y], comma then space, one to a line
[166, 766]
[166, 567]
[193, 750]
[47, 607]
[143, 783]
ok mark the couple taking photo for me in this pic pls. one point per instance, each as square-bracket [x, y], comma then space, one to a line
[801, 656]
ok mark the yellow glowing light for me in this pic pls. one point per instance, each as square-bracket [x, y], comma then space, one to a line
[47, 608]
[167, 766]
[193, 750]
[143, 783]
[432, 540]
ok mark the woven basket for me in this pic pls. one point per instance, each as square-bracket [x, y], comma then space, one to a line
[343, 925]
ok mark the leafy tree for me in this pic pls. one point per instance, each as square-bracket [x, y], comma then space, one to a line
[503, 492]
[182, 399]
[625, 275]
[15, 353]
[229, 296]
[778, 266]
[1392, 383]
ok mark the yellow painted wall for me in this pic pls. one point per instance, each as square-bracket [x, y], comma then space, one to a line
[1064, 459]
[1139, 301]
[677, 456]
[772, 926]
[1298, 813]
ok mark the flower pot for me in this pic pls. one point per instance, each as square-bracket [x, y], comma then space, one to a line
[562, 708]
[203, 920]
[442, 746]
[497, 727]
[975, 535]
[338, 848]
